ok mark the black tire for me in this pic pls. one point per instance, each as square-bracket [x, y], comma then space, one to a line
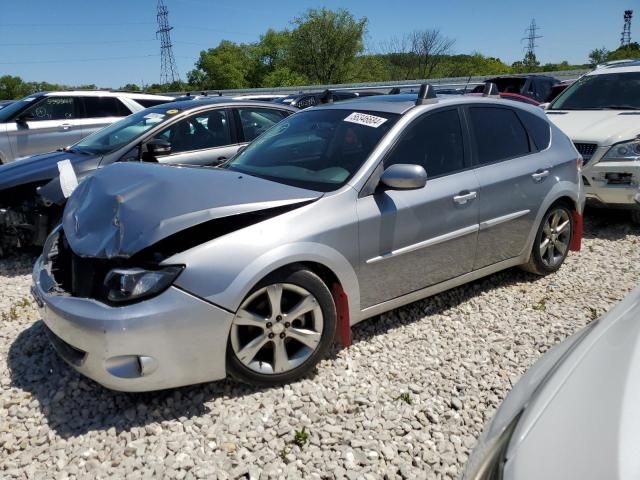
[536, 263]
[635, 216]
[310, 282]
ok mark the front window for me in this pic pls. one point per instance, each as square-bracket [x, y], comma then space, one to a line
[609, 91]
[121, 133]
[319, 150]
[12, 111]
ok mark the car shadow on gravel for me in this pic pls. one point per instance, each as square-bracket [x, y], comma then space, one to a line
[438, 304]
[608, 224]
[17, 265]
[74, 405]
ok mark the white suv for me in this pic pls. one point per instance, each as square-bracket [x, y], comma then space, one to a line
[600, 112]
[45, 121]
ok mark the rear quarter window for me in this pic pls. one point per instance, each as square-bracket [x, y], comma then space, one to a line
[538, 128]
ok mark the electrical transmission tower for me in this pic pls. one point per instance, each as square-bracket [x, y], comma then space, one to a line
[168, 70]
[531, 37]
[625, 37]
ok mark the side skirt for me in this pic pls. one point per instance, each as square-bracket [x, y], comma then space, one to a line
[394, 303]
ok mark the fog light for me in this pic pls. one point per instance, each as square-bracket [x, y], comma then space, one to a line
[131, 366]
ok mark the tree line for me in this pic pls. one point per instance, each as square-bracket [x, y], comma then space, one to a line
[324, 46]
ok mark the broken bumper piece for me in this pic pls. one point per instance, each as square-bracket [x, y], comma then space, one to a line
[170, 340]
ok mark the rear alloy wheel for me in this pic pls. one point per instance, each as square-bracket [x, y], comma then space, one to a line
[282, 329]
[551, 245]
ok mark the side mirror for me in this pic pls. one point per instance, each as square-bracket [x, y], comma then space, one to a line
[23, 119]
[156, 147]
[402, 176]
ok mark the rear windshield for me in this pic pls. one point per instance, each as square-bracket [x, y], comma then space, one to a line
[609, 91]
[316, 149]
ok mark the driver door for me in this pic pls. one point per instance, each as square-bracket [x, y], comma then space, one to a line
[411, 239]
[204, 138]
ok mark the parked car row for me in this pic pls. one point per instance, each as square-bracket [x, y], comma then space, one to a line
[211, 237]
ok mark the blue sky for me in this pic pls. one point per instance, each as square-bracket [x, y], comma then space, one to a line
[112, 43]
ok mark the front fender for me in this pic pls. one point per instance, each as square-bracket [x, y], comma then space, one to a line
[240, 284]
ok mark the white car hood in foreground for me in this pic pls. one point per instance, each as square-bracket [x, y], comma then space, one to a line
[585, 421]
[604, 127]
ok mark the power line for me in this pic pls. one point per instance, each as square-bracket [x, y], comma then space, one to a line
[78, 42]
[79, 60]
[83, 24]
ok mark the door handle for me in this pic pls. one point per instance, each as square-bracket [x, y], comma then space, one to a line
[66, 126]
[222, 158]
[540, 175]
[464, 196]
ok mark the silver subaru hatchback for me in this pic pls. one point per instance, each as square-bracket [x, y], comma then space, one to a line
[162, 276]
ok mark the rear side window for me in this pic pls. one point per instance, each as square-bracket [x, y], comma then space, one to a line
[538, 129]
[99, 107]
[53, 108]
[255, 121]
[433, 141]
[146, 103]
[499, 134]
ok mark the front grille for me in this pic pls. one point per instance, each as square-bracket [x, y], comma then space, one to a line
[81, 277]
[586, 150]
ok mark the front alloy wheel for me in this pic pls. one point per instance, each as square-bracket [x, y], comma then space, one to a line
[281, 329]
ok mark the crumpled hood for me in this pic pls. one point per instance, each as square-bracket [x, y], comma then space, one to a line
[585, 422]
[604, 127]
[38, 168]
[127, 207]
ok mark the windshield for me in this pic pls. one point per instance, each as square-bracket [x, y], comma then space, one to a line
[318, 149]
[615, 91]
[121, 133]
[9, 111]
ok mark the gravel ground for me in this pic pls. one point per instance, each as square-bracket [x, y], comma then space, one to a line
[407, 400]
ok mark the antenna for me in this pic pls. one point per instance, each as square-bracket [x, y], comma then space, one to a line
[168, 69]
[625, 36]
[531, 37]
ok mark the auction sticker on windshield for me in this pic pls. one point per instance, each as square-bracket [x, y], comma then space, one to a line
[365, 119]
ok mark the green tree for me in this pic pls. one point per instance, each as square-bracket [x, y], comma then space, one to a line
[628, 51]
[325, 43]
[597, 56]
[225, 67]
[131, 87]
[283, 77]
[530, 62]
[14, 87]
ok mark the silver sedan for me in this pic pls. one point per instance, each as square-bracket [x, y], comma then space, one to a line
[163, 276]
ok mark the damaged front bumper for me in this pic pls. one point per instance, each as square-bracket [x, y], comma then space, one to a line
[613, 183]
[171, 340]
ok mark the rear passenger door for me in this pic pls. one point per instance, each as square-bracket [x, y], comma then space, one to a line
[98, 112]
[514, 176]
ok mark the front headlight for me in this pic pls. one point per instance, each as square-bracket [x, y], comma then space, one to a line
[125, 285]
[623, 152]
